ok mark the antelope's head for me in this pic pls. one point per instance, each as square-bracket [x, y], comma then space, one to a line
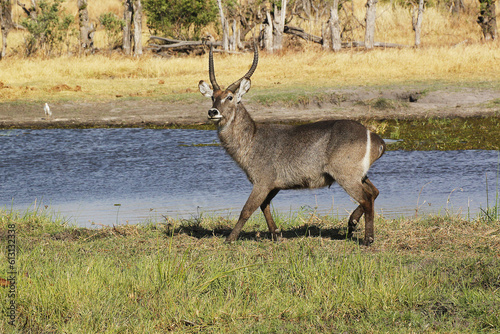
[225, 102]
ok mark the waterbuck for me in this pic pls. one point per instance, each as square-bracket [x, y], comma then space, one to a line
[276, 157]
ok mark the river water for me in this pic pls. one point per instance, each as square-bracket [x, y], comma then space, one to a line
[117, 176]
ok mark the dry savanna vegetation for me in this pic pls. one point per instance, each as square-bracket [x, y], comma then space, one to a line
[451, 51]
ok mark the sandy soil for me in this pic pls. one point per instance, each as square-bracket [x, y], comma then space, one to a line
[356, 103]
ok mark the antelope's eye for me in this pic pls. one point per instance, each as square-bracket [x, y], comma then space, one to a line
[230, 97]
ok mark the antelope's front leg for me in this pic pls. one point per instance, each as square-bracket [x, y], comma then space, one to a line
[256, 199]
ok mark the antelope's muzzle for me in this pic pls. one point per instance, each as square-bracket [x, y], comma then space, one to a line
[214, 114]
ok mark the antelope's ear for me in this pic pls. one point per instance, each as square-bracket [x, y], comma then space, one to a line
[244, 87]
[205, 89]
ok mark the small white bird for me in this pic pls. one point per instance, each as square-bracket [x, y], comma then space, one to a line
[46, 108]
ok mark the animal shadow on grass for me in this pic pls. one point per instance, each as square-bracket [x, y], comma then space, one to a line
[194, 229]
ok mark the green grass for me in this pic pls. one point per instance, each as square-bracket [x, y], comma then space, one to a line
[300, 96]
[438, 274]
[441, 133]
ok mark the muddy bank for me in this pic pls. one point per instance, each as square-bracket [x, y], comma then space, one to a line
[359, 103]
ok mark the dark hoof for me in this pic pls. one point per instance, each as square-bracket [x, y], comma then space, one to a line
[276, 236]
[351, 229]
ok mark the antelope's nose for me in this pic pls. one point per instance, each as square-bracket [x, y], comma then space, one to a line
[213, 113]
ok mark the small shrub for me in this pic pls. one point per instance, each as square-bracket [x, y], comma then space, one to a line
[49, 30]
[182, 19]
[113, 27]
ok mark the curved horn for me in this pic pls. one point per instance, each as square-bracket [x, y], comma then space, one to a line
[211, 71]
[232, 88]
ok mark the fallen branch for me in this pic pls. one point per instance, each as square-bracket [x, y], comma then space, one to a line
[184, 44]
[299, 32]
[175, 45]
[356, 44]
[164, 39]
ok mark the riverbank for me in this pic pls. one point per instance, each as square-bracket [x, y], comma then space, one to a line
[438, 274]
[362, 103]
[427, 118]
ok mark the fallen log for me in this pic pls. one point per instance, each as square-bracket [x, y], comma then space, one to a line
[299, 32]
[174, 45]
[302, 34]
[164, 39]
[184, 44]
[356, 44]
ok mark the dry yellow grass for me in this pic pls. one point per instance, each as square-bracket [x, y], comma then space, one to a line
[103, 77]
[443, 57]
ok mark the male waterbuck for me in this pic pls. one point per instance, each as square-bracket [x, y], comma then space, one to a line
[277, 157]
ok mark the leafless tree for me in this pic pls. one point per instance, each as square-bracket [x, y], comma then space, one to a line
[127, 27]
[224, 25]
[137, 5]
[274, 26]
[279, 25]
[5, 23]
[334, 23]
[267, 31]
[417, 17]
[371, 11]
[132, 30]
[87, 29]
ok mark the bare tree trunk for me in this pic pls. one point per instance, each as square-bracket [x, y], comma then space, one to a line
[232, 44]
[335, 26]
[279, 25]
[4, 40]
[326, 36]
[127, 28]
[86, 29]
[225, 27]
[487, 19]
[4, 36]
[235, 40]
[371, 11]
[268, 33]
[5, 23]
[237, 36]
[137, 27]
[417, 21]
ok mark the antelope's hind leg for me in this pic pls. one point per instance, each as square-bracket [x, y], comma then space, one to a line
[358, 212]
[266, 209]
[365, 194]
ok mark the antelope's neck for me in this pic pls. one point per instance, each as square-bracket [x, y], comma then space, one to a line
[237, 135]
